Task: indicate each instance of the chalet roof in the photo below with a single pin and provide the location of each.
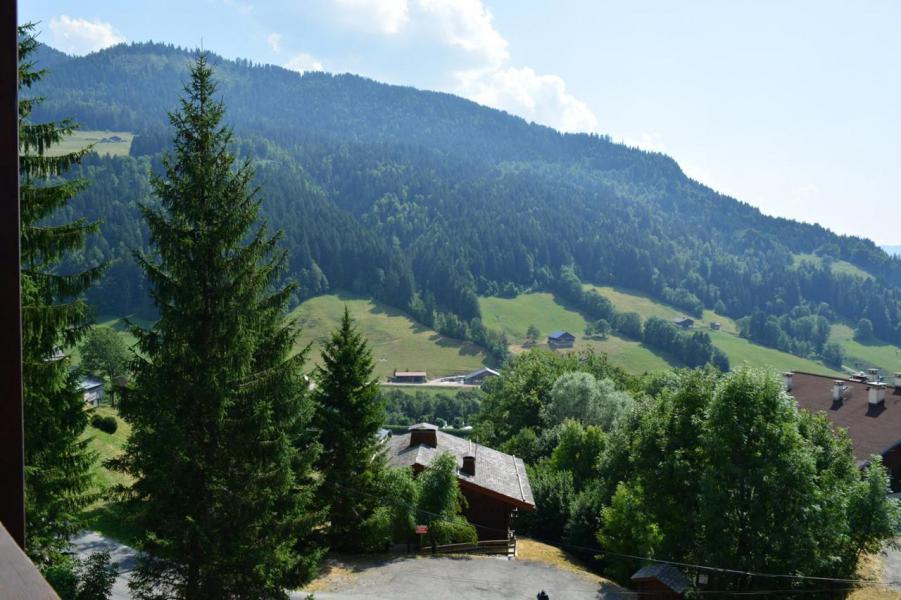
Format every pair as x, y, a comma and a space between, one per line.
89, 383
683, 319
409, 373
559, 334
666, 574
498, 474
873, 430
482, 371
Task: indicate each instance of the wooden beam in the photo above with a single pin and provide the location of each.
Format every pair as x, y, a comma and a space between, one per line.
19, 578
12, 472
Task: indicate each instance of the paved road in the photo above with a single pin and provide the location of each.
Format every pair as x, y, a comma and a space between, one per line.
892, 567
464, 578
121, 556
440, 578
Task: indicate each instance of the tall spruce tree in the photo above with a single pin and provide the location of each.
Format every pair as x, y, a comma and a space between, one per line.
57, 460
220, 450
349, 411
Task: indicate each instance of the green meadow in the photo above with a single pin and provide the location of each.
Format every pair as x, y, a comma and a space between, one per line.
105, 143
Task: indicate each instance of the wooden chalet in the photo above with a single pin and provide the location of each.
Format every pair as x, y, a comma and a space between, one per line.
660, 581
409, 377
494, 484
867, 407
684, 322
479, 376
561, 339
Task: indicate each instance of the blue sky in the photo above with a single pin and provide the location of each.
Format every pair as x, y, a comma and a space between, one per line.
793, 106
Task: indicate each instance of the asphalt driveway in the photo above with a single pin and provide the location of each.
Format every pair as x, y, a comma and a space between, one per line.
463, 578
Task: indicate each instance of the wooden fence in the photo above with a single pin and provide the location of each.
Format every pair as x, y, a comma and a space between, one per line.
504, 547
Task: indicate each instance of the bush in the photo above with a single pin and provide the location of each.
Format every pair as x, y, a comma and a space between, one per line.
108, 424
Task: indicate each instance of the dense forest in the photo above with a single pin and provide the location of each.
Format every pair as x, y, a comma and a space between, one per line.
426, 201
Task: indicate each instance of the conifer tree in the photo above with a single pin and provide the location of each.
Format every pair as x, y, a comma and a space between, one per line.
220, 450
54, 317
349, 411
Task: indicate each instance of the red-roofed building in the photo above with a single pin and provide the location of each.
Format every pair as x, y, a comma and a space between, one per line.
869, 409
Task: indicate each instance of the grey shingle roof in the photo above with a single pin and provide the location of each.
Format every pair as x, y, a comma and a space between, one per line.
497, 472
668, 575
559, 334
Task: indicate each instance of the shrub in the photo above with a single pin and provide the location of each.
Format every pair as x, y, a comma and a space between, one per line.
108, 424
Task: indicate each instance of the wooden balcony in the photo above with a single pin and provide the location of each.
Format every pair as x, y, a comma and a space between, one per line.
19, 578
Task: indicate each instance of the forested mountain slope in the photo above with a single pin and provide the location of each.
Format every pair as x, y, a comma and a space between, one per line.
425, 201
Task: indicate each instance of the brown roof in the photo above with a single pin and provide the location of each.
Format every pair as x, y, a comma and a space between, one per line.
873, 430
497, 474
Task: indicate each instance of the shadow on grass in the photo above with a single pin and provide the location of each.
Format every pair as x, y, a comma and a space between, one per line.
113, 520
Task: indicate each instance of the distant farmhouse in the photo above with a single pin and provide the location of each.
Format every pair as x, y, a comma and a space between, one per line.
561, 339
409, 377
684, 322
494, 484
92, 390
867, 407
479, 376
716, 325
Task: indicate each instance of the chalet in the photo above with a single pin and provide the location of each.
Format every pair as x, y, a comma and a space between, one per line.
479, 376
660, 581
495, 484
684, 322
716, 325
561, 339
409, 377
868, 408
92, 390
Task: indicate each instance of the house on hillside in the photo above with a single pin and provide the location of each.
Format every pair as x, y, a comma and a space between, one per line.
479, 376
716, 325
561, 339
409, 377
92, 390
684, 322
868, 407
495, 484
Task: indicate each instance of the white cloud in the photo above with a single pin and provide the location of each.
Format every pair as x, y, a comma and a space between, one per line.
302, 63
275, 42
384, 16
466, 24
80, 36
533, 96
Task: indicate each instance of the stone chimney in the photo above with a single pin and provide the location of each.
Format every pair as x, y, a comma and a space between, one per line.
837, 390
787, 380
423, 434
469, 464
872, 375
898, 381
876, 394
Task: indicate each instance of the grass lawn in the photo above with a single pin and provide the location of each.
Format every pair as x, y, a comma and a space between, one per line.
839, 266
740, 351
102, 140
514, 315
863, 356
397, 341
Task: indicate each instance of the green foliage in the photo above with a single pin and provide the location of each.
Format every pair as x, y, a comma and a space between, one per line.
221, 448
54, 316
864, 331
554, 491
108, 423
441, 503
91, 578
349, 412
105, 353
578, 450
579, 396
532, 333
406, 407
727, 471
395, 518
833, 355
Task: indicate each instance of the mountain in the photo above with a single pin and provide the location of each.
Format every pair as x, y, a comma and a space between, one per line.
892, 250
427, 201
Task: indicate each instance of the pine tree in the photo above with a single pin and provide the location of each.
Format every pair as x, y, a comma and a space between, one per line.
57, 460
349, 411
220, 450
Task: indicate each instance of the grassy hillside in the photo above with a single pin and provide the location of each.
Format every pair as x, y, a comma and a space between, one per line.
514, 315
397, 341
839, 266
863, 356
739, 350
105, 143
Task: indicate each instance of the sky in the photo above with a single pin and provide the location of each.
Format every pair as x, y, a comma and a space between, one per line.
792, 106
